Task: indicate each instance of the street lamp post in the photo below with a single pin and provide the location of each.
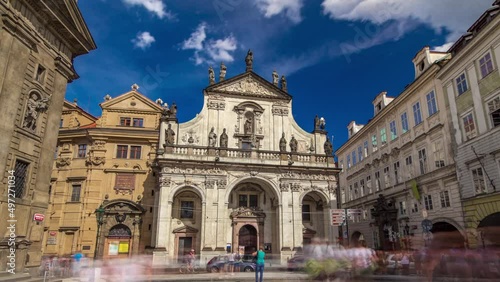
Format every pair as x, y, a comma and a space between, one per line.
99, 215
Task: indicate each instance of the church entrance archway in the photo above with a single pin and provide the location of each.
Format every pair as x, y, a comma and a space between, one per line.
248, 239
118, 241
489, 230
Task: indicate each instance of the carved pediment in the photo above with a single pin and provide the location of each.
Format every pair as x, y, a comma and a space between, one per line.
185, 229
250, 84
248, 212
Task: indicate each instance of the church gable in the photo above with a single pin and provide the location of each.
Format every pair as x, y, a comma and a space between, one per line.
251, 85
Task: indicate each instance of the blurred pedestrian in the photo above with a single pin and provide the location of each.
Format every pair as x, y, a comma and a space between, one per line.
231, 262
405, 264
259, 264
190, 260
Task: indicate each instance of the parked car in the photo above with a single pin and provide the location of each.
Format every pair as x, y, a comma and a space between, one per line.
218, 263
297, 262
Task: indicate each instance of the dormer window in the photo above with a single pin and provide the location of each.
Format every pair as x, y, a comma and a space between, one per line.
379, 106
421, 65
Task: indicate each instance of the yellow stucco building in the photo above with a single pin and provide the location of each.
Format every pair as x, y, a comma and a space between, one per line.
102, 182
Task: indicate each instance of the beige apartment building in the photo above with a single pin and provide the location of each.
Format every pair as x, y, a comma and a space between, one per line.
471, 82
102, 183
38, 43
398, 169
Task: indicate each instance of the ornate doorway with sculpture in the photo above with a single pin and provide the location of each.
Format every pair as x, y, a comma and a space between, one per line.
248, 239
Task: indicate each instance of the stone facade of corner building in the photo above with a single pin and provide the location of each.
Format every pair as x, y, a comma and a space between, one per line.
471, 82
40, 39
398, 169
242, 174
104, 162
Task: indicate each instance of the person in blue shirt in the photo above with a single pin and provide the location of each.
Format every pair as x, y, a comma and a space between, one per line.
259, 255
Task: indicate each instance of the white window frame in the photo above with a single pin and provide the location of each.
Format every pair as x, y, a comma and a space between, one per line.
432, 107
485, 63
428, 203
468, 132
374, 143
493, 105
438, 152
461, 84
417, 113
405, 127
422, 160
485, 184
444, 197
393, 129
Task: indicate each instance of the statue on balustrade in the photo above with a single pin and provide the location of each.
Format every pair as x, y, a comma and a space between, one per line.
283, 143
328, 147
223, 139
169, 136
212, 138
293, 145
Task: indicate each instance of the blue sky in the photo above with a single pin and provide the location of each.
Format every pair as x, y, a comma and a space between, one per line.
337, 55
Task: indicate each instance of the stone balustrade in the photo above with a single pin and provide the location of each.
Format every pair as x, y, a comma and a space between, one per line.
183, 152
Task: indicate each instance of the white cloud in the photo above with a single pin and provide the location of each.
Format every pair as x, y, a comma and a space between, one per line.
143, 40
291, 8
443, 48
156, 7
455, 16
195, 41
209, 51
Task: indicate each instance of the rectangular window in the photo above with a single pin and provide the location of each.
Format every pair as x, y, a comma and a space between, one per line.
438, 153
75, 192
125, 121
187, 209
417, 114
61, 123
445, 199
404, 123
360, 154
306, 213
365, 149
21, 175
478, 179
40, 74
486, 65
402, 208
494, 110
431, 103
394, 133
135, 152
342, 195
374, 143
253, 201
396, 172
243, 200
362, 187
461, 84
121, 151
356, 192
369, 184
383, 137
354, 158
348, 161
469, 126
377, 181
428, 202
82, 151
414, 209
387, 177
349, 196
409, 167
138, 122
422, 160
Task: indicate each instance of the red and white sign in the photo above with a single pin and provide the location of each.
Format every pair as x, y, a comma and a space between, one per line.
38, 217
337, 217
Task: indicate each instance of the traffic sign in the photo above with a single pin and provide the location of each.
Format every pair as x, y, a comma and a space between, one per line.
337, 217
354, 211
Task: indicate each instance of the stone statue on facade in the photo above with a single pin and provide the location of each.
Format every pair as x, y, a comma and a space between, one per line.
169, 136
35, 106
283, 83
249, 60
276, 78
173, 110
328, 147
316, 123
293, 145
223, 139
283, 143
211, 76
212, 138
222, 74
248, 127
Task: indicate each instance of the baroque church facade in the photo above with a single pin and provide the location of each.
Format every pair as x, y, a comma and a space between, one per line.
242, 174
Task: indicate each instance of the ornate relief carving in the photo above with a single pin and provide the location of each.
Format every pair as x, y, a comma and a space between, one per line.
280, 111
165, 181
210, 184
247, 212
331, 188
221, 184
247, 86
177, 170
95, 160
284, 186
292, 175
98, 145
36, 105
296, 187
216, 105
190, 137
61, 162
